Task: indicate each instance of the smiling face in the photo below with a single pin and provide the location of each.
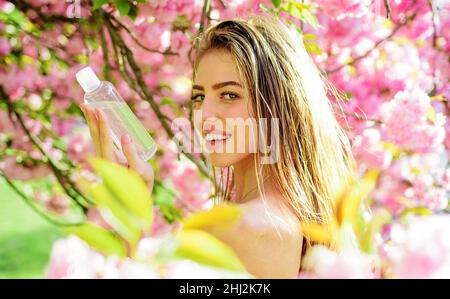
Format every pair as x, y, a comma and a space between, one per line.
220, 98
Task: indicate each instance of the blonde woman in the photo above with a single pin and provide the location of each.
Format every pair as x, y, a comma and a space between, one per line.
258, 69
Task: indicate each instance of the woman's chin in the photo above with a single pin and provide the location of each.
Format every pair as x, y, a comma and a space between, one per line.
226, 159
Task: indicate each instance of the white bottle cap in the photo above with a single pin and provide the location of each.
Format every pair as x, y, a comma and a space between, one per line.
87, 79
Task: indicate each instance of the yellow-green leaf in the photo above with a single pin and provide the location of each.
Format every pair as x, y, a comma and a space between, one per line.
127, 186
375, 224
431, 114
123, 6
438, 97
113, 212
99, 238
349, 205
394, 149
204, 248
276, 3
309, 36
313, 48
222, 215
317, 232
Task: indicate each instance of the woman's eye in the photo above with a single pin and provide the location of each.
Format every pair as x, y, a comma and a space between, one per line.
198, 98
229, 96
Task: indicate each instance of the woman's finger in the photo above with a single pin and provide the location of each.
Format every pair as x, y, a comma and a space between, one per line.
144, 169
106, 142
120, 158
91, 120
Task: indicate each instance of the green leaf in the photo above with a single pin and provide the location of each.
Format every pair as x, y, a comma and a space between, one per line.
162, 194
309, 36
317, 232
203, 248
310, 18
99, 238
222, 215
264, 7
98, 3
167, 101
422, 211
313, 48
133, 12
431, 114
82, 59
91, 43
18, 18
165, 198
348, 204
276, 3
381, 218
292, 10
123, 6
128, 187
112, 211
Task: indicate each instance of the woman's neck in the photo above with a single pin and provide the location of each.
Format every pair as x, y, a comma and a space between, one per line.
245, 180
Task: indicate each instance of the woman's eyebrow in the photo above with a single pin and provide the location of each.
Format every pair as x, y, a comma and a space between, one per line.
218, 85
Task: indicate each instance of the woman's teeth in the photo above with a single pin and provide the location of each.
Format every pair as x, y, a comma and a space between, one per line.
216, 137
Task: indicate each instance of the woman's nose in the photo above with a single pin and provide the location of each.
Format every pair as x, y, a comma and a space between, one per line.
209, 109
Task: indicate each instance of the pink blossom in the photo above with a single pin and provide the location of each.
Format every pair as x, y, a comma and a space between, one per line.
422, 248
58, 203
16, 171
160, 226
192, 270
72, 258
5, 46
406, 123
340, 9
192, 189
321, 262
79, 147
130, 269
62, 126
95, 216
368, 149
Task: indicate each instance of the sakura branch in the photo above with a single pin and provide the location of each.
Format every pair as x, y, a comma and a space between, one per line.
126, 58
354, 60
62, 175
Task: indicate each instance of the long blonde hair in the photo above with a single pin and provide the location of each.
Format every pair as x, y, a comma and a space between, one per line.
315, 160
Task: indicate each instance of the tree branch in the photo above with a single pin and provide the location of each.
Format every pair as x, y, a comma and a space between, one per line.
376, 45
133, 36
388, 9
29, 202
65, 182
142, 89
46, 18
206, 10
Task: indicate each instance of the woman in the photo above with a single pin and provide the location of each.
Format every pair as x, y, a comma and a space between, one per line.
258, 69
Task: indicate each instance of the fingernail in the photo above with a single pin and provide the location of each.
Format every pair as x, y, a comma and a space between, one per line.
126, 138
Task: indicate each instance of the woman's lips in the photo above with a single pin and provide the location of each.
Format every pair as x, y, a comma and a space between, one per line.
214, 140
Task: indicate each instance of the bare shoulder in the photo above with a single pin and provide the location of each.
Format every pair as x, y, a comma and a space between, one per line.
270, 216
267, 239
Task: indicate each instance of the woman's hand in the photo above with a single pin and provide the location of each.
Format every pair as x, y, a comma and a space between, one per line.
104, 147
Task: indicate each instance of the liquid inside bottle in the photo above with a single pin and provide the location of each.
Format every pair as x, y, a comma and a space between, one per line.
103, 95
123, 121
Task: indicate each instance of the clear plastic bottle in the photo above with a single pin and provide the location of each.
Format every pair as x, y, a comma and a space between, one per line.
103, 95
